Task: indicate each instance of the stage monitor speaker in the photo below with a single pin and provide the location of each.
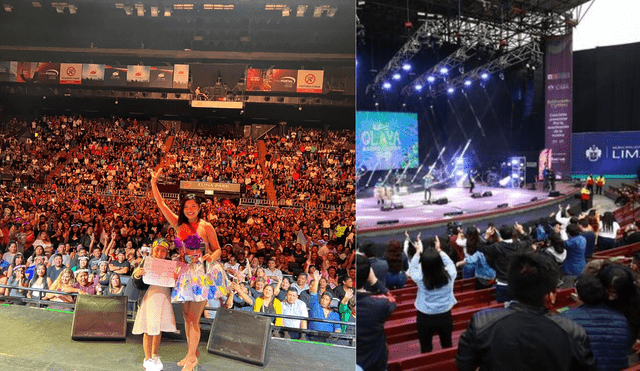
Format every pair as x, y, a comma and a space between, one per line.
503, 205
476, 195
534, 199
385, 207
240, 335
577, 185
453, 213
100, 318
392, 221
554, 194
487, 194
399, 205
441, 201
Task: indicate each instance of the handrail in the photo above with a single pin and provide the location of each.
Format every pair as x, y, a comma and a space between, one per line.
40, 301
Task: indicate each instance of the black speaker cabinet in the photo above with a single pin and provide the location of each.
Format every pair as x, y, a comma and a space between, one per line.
441, 201
487, 194
240, 335
100, 318
554, 194
476, 195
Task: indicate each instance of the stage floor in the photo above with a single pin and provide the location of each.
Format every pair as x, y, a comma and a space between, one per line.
415, 212
37, 339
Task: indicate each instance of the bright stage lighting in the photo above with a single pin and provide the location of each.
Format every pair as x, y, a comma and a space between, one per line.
484, 76
467, 83
460, 173
406, 67
418, 87
386, 85
450, 90
444, 70
505, 181
431, 79
460, 161
515, 162
396, 76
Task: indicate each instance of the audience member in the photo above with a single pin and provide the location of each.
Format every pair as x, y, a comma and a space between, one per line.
525, 336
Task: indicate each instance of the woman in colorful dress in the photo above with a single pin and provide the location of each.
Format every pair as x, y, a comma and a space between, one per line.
197, 242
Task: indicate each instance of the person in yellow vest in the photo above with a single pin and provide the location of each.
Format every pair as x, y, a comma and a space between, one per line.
590, 183
585, 196
599, 185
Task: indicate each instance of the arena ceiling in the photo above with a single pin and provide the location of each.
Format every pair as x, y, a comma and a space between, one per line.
198, 30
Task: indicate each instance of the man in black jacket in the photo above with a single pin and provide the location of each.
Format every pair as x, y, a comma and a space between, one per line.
525, 336
510, 241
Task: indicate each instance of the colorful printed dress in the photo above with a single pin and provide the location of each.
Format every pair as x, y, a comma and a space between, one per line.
195, 281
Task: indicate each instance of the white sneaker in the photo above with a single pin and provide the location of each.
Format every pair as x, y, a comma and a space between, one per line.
156, 360
149, 365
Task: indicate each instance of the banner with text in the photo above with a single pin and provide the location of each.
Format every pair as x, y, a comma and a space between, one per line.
115, 75
615, 155
310, 81
8, 71
180, 76
161, 77
138, 75
92, 74
71, 73
559, 102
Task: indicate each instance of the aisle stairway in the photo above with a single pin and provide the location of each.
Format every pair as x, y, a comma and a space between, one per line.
56, 170
269, 188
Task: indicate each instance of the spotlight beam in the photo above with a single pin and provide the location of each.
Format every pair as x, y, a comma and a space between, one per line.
372, 172
474, 114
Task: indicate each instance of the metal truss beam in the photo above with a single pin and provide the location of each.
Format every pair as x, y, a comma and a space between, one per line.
522, 54
433, 26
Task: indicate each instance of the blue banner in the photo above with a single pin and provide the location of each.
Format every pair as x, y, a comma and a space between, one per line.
386, 140
614, 155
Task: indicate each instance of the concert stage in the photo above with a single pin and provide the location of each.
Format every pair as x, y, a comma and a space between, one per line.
38, 339
371, 221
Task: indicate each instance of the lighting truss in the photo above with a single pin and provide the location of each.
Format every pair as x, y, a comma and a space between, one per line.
524, 53
503, 33
431, 27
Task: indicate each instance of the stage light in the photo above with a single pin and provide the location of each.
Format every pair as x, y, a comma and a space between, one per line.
467, 83
406, 67
396, 76
514, 162
484, 76
444, 70
431, 79
505, 181
501, 75
460, 173
450, 90
418, 87
386, 85
459, 161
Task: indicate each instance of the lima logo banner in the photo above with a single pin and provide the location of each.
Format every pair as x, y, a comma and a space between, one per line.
593, 153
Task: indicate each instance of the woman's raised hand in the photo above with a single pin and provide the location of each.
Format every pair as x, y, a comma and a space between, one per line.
155, 175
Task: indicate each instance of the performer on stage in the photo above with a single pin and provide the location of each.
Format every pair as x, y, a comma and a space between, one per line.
428, 183
552, 179
193, 285
155, 313
599, 184
473, 185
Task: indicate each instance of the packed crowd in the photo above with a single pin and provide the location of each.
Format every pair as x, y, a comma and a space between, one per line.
313, 167
66, 238
527, 265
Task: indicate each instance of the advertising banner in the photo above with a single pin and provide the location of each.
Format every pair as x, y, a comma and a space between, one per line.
8, 71
612, 154
115, 76
310, 81
25, 71
71, 73
256, 80
138, 75
92, 74
161, 77
47, 73
181, 76
559, 102
284, 80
